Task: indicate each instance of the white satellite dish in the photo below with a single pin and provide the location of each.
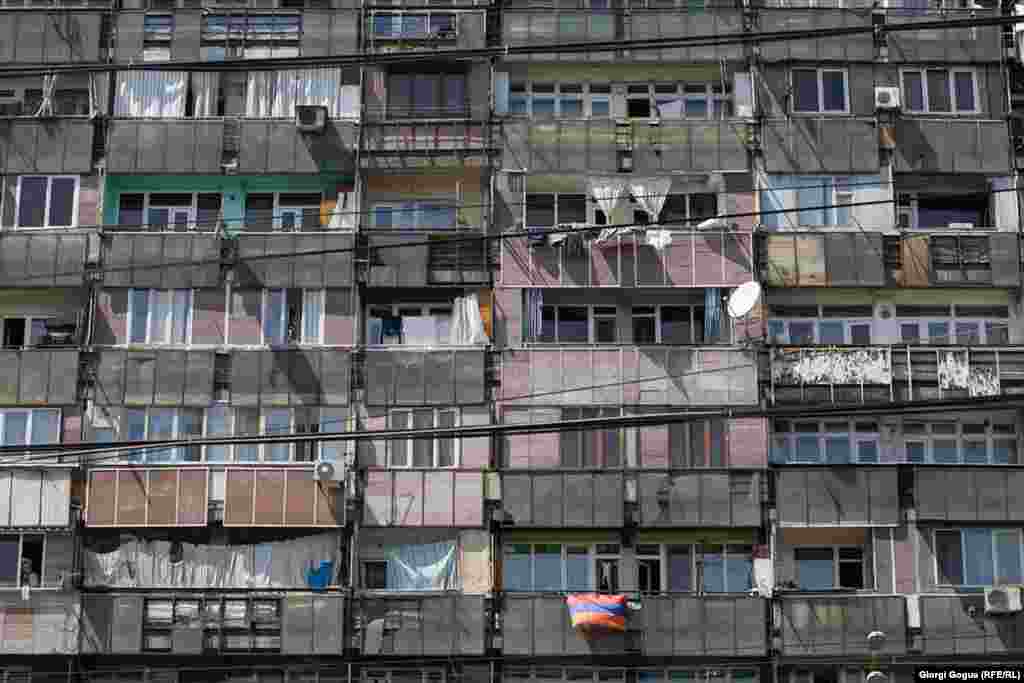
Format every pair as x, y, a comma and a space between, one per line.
715, 223
743, 299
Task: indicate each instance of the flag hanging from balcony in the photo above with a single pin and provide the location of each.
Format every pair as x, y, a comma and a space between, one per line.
591, 612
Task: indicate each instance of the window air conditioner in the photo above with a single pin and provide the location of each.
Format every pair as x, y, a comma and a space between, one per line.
329, 471
310, 118
887, 98
1002, 600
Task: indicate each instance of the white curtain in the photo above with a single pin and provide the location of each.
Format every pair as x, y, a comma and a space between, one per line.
151, 94
426, 567
607, 192
274, 94
344, 215
651, 193
205, 85
467, 324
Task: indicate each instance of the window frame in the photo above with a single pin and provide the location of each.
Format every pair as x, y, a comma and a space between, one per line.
837, 561
401, 14
658, 322
848, 323
317, 451
592, 209
47, 202
420, 212
30, 423
396, 308
594, 556
30, 321
952, 71
279, 210
40, 570
929, 437
238, 44
819, 77
936, 561
787, 443
592, 317
436, 442
150, 294
141, 455
193, 209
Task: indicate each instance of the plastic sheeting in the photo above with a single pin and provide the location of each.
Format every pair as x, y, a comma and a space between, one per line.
467, 326
275, 94
150, 563
426, 567
151, 94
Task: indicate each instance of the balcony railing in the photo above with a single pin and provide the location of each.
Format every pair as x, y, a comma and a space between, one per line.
837, 496
968, 494
840, 625
421, 625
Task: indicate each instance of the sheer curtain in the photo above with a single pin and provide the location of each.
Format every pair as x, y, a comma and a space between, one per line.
205, 85
275, 94
607, 192
467, 325
426, 567
151, 94
651, 193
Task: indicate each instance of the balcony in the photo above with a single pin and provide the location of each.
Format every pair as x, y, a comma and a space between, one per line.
45, 624
306, 377
913, 260
157, 377
562, 499
168, 261
436, 498
31, 259
645, 375
35, 498
399, 145
39, 377
977, 44
33, 146
840, 625
802, 144
421, 625
951, 145
968, 494
957, 625
706, 259
665, 146
147, 497
209, 622
854, 48
451, 258
699, 499
837, 496
263, 261
279, 147
35, 37
165, 146
846, 374
417, 377
395, 32
663, 626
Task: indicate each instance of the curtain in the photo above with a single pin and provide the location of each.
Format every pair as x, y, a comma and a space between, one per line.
607, 192
430, 566
205, 85
651, 193
467, 326
534, 312
151, 94
46, 106
275, 94
712, 313
344, 216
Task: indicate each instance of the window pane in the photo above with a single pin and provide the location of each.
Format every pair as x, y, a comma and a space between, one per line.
446, 447
15, 428
426, 94
139, 303
1007, 545
161, 428
547, 568
805, 90
832, 332
910, 333
860, 334
547, 324
607, 579
679, 568
739, 569
160, 317
851, 573
814, 568
516, 571
540, 210
837, 450
1004, 452
947, 553
834, 89
45, 427
913, 91
32, 202
975, 453
572, 324
423, 449
217, 424
938, 90
945, 452
180, 316
572, 208
273, 317
963, 84
978, 569
599, 107
938, 333
675, 325
968, 333
807, 449
714, 570
247, 423
801, 333
605, 330
577, 569
454, 95
915, 452
9, 561
312, 309
277, 422
643, 330
62, 202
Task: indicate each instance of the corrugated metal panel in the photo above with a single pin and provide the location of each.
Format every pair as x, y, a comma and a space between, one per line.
126, 625
297, 630
328, 620
97, 615
882, 553
839, 626
1004, 249
185, 44
838, 496
699, 499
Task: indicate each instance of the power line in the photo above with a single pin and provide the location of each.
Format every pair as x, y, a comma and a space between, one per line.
603, 423
483, 238
361, 58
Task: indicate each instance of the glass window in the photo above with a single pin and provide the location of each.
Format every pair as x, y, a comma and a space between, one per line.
938, 90
577, 568
832, 332
948, 556
963, 89
278, 421
274, 317
32, 201
834, 90
814, 568
1008, 562
676, 325
516, 568
805, 90
547, 567
573, 324
218, 423
977, 555
913, 91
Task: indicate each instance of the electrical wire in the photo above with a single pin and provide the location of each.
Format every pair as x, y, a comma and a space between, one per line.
591, 229
361, 58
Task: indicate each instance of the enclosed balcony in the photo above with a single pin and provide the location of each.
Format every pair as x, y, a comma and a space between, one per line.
968, 494
958, 625
38, 260
45, 624
421, 625
840, 625
837, 496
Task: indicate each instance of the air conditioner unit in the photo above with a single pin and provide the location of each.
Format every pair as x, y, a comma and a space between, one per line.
329, 471
887, 98
885, 311
1002, 600
310, 118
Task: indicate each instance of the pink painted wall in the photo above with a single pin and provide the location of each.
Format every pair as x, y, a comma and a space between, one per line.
748, 442
208, 317
111, 317
339, 320
245, 316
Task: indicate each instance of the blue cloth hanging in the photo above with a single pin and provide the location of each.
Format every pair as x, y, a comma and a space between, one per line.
712, 313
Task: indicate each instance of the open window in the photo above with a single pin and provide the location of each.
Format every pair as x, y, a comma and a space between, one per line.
292, 316
21, 560
409, 324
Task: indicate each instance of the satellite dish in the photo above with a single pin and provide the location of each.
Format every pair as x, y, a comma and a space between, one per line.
743, 299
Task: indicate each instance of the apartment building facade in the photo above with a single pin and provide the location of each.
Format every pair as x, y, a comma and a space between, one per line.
220, 248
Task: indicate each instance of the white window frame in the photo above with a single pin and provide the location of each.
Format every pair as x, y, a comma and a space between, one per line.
29, 322
300, 338
193, 210
143, 452
788, 441
46, 206
717, 100
151, 292
592, 317
592, 561
662, 558
657, 315
991, 437
279, 210
848, 325
821, 71
868, 580
456, 444
419, 211
31, 413
922, 72
21, 554
374, 36
963, 568
924, 338
395, 308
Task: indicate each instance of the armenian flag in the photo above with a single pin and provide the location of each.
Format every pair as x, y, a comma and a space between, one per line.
590, 611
